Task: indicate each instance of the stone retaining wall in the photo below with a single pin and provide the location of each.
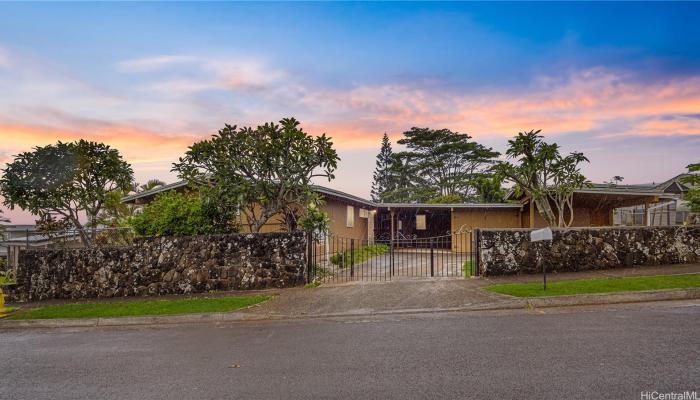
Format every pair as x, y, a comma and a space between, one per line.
509, 251
163, 265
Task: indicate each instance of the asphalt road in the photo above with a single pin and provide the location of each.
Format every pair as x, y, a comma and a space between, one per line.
557, 354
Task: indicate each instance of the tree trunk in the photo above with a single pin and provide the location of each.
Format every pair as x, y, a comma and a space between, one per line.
545, 210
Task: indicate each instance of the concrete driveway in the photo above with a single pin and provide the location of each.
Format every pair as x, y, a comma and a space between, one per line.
407, 263
364, 297
405, 292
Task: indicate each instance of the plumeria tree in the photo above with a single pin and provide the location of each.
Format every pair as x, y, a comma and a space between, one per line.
262, 171
550, 179
66, 182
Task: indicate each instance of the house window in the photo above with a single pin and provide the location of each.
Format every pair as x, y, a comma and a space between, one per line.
364, 213
350, 216
420, 222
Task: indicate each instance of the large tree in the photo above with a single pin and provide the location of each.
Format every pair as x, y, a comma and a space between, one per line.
542, 173
66, 181
445, 162
265, 170
405, 183
381, 182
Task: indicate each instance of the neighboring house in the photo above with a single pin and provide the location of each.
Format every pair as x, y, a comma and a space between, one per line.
354, 217
20, 237
670, 210
13, 232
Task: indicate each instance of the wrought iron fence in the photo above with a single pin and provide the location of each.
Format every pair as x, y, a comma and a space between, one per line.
334, 259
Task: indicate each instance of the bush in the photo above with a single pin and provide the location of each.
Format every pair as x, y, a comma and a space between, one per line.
361, 254
173, 213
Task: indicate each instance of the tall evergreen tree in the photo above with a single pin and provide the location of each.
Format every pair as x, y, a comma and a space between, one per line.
445, 163
381, 183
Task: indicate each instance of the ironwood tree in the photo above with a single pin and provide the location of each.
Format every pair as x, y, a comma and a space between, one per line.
382, 177
262, 171
438, 163
543, 174
66, 181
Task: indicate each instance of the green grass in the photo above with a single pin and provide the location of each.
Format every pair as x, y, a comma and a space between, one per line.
3, 280
312, 284
467, 268
139, 307
605, 285
361, 254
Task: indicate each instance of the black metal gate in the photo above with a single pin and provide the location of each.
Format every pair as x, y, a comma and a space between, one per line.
334, 259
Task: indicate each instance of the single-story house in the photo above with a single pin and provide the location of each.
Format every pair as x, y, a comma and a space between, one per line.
357, 218
31, 239
668, 211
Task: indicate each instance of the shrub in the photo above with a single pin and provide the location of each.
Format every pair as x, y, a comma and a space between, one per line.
173, 213
361, 254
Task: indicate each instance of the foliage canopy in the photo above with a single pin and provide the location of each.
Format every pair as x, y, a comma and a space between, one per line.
65, 181
543, 174
263, 171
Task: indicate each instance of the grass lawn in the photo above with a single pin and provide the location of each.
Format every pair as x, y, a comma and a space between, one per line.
139, 307
604, 285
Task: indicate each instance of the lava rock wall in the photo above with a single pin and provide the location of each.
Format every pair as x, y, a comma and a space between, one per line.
510, 251
163, 265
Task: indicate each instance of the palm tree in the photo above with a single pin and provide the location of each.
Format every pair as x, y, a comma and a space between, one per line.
151, 184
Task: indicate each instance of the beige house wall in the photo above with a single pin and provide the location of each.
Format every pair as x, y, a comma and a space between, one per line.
466, 220
583, 217
337, 214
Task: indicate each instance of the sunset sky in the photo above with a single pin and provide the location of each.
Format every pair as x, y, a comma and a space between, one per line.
619, 82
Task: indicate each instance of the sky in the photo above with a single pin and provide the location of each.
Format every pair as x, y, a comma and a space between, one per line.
619, 82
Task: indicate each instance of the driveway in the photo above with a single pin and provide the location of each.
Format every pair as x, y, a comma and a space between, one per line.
363, 297
407, 264
406, 292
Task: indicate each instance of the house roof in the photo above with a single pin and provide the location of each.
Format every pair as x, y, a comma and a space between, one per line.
449, 205
337, 194
38, 238
675, 181
154, 191
630, 190
623, 190
17, 227
343, 195
657, 190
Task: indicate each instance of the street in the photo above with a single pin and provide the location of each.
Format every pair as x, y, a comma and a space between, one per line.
593, 353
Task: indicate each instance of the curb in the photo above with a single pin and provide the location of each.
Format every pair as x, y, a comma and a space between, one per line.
509, 303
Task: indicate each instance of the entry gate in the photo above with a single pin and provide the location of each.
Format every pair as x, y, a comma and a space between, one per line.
334, 259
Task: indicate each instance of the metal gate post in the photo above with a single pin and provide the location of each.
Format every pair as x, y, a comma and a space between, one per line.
477, 250
309, 258
432, 261
352, 257
391, 256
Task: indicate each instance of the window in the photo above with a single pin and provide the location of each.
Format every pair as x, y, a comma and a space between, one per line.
420, 222
364, 213
350, 216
